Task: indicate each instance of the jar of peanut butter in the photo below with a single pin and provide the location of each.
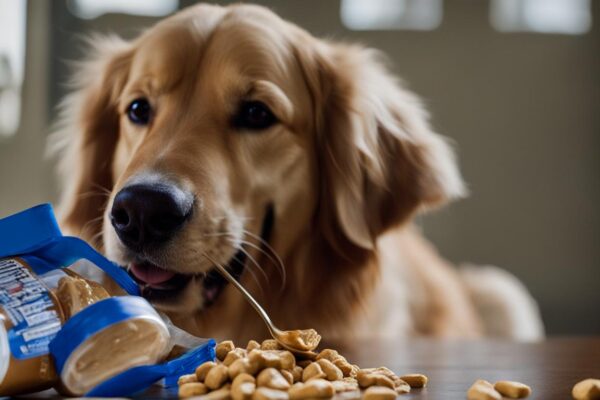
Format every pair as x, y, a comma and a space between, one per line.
58, 329
35, 302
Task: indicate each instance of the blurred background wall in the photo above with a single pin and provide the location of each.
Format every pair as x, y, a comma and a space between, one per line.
521, 105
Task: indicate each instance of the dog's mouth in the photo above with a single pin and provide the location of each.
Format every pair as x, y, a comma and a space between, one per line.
161, 285
158, 284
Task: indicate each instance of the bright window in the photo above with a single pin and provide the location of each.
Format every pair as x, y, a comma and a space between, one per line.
391, 14
13, 16
545, 16
90, 9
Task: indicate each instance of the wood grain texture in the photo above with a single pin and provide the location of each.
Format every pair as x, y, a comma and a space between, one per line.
550, 368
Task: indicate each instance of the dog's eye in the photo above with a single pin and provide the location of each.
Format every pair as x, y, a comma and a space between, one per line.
254, 115
139, 111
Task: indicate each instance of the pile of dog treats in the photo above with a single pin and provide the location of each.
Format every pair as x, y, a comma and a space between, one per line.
267, 372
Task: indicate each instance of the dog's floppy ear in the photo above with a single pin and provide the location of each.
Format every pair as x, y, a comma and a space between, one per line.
86, 136
379, 160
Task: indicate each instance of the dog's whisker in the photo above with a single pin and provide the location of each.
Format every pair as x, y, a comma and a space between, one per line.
253, 260
99, 191
102, 189
98, 218
214, 262
95, 238
254, 277
271, 255
213, 234
88, 227
271, 250
273, 260
220, 218
92, 221
90, 194
232, 239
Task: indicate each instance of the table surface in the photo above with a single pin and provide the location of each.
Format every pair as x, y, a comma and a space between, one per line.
550, 367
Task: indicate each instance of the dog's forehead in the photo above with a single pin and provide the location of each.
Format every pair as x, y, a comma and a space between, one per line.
248, 41
250, 46
162, 56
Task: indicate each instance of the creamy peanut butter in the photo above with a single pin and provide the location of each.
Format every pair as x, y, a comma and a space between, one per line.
76, 293
127, 344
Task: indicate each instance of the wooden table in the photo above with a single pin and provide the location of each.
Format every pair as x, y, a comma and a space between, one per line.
550, 367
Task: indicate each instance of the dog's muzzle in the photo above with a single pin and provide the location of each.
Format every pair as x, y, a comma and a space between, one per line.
161, 285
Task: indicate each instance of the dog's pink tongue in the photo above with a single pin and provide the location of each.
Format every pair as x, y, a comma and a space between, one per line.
151, 274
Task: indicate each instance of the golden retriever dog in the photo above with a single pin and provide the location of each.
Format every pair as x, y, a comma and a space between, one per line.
226, 135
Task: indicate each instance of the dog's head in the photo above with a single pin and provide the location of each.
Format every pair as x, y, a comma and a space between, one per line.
221, 131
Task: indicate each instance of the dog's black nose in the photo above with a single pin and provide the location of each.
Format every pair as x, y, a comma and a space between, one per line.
144, 214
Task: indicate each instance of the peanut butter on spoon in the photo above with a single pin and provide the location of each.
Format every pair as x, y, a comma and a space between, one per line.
301, 340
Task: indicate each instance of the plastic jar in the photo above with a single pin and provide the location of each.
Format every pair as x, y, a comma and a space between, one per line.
34, 304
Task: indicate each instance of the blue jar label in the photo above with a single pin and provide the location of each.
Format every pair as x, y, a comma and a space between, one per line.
26, 300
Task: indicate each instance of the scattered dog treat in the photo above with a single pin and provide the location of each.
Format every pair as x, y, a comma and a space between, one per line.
203, 369
332, 372
189, 389
289, 377
314, 389
379, 393
346, 385
190, 378
381, 376
216, 377
252, 344
265, 371
233, 356
513, 390
588, 389
224, 393
243, 387
483, 390
223, 349
265, 393
273, 379
367, 378
415, 380
313, 371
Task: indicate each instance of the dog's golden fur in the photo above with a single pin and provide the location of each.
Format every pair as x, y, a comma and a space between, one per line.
351, 160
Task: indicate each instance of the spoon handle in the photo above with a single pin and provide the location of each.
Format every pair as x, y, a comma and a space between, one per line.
248, 297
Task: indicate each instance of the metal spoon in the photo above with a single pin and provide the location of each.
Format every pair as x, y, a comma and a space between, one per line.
277, 334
